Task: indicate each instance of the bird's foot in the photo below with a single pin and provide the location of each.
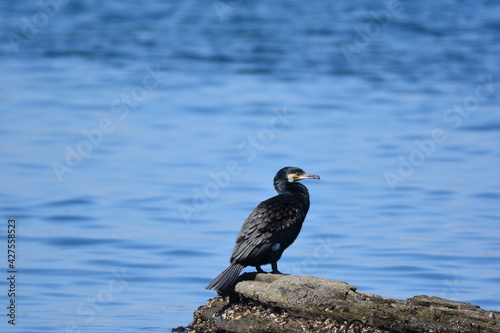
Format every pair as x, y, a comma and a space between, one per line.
259, 270
274, 266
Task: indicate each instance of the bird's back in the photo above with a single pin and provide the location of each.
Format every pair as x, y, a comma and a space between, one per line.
272, 226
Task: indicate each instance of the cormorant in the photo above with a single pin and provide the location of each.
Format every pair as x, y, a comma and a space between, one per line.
272, 226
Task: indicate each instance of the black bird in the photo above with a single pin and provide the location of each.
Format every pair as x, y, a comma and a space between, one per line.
272, 226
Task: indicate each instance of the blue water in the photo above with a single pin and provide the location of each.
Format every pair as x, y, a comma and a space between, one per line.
136, 138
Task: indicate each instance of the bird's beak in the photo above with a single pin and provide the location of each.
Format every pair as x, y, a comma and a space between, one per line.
306, 176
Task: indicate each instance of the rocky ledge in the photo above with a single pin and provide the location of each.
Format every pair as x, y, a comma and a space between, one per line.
289, 303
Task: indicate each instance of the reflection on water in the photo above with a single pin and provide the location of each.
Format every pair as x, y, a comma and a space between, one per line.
158, 175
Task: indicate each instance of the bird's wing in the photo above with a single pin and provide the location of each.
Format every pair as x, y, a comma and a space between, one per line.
273, 219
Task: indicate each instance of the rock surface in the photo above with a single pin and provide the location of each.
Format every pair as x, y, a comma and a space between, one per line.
289, 303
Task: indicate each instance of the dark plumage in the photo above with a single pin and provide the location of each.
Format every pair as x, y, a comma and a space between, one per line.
272, 226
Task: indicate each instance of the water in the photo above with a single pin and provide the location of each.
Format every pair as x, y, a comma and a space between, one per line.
137, 139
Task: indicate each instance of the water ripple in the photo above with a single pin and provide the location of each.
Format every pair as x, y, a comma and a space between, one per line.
79, 241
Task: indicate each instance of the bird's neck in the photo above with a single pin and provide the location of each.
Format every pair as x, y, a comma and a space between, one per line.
299, 191
293, 189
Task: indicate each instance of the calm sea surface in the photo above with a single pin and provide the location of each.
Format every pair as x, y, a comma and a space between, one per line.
137, 137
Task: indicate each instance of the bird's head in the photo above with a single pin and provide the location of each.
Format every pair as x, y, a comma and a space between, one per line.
293, 174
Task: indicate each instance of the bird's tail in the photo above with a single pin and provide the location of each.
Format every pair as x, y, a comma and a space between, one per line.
227, 278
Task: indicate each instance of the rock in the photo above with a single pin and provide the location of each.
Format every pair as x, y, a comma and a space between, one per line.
289, 303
